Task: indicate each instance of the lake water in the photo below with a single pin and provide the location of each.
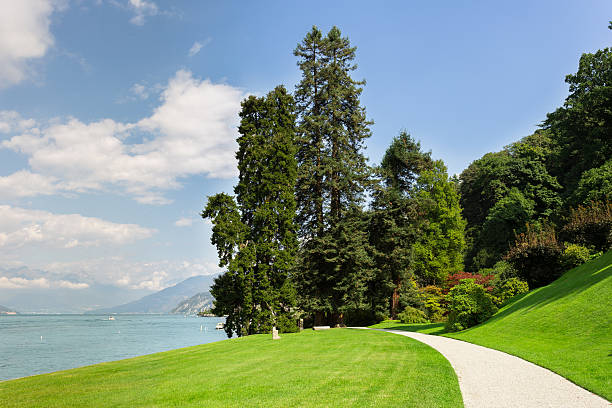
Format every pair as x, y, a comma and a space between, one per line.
70, 341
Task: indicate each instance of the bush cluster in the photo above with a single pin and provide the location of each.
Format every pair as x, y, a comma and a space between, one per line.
574, 255
469, 305
412, 315
509, 288
537, 256
590, 225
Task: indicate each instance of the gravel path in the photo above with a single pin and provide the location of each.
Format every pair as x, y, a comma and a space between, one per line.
489, 378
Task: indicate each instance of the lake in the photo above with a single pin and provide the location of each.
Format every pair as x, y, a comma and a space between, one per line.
36, 344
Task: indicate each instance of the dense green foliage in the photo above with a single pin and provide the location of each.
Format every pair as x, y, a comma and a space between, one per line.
396, 223
538, 180
537, 256
517, 217
590, 225
366, 368
335, 263
256, 235
412, 315
469, 305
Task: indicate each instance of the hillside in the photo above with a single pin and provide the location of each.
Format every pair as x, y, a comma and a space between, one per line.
165, 300
5, 310
194, 304
565, 326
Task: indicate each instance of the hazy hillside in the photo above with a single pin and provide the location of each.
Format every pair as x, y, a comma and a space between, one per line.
165, 300
4, 309
194, 304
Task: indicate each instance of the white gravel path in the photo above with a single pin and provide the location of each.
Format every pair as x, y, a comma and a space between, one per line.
490, 378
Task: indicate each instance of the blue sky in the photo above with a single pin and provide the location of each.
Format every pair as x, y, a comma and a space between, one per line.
118, 117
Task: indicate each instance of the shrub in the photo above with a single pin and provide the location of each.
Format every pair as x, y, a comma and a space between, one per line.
506, 289
454, 279
469, 305
502, 270
412, 315
434, 302
537, 256
590, 225
287, 324
574, 255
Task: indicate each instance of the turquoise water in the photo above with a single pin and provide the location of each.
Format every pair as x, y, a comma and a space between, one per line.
70, 341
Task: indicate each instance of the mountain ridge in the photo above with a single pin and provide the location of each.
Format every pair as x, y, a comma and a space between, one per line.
165, 300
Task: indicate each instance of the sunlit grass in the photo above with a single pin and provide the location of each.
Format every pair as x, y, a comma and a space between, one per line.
339, 367
565, 326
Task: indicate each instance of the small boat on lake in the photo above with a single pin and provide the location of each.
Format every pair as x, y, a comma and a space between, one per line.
111, 318
220, 326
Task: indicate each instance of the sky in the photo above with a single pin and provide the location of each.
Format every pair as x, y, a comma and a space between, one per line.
119, 117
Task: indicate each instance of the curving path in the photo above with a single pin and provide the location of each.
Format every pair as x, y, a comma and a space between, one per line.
489, 378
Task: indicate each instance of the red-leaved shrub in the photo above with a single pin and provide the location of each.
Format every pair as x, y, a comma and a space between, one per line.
453, 280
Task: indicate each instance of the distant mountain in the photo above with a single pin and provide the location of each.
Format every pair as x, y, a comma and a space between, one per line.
194, 304
6, 310
165, 300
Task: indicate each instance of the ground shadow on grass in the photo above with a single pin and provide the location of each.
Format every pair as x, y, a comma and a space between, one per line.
429, 328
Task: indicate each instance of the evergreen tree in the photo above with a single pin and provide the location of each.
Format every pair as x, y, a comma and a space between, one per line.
332, 170
256, 235
396, 222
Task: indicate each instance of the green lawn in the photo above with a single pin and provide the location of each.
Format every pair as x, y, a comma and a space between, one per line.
565, 326
339, 367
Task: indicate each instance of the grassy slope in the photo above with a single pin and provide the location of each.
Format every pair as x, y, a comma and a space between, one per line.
565, 326
339, 367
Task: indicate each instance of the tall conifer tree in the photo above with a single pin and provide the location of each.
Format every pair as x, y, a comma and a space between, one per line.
256, 234
332, 176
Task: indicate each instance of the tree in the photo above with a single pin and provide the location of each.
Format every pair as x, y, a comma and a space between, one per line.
502, 185
255, 235
332, 170
581, 128
439, 249
395, 221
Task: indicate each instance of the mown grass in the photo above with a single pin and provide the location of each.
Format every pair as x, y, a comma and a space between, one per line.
565, 326
339, 367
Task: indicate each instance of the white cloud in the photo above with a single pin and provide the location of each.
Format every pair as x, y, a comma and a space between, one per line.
120, 272
19, 227
191, 132
26, 184
197, 46
24, 35
38, 283
11, 121
141, 10
184, 222
140, 91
